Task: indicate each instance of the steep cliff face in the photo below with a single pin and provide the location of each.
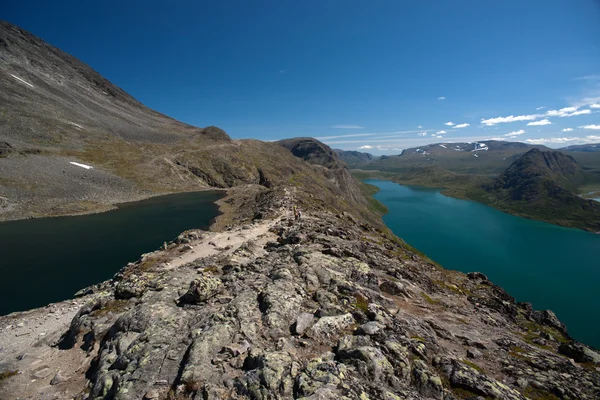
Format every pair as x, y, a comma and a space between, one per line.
354, 158
538, 185
324, 308
327, 161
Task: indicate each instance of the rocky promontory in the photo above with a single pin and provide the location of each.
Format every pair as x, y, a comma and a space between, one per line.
327, 307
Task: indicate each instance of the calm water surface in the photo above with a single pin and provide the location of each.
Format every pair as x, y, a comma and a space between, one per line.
552, 267
49, 259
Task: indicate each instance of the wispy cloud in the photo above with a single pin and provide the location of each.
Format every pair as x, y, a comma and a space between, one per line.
540, 108
344, 136
461, 126
567, 112
592, 127
441, 132
510, 118
541, 122
449, 123
347, 126
594, 105
563, 140
365, 147
589, 78
515, 133
420, 127
422, 133
442, 98
568, 130
588, 101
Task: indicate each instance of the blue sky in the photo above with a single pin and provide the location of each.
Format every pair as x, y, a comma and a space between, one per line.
378, 76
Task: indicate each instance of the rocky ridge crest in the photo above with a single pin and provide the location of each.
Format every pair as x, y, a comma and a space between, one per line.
324, 308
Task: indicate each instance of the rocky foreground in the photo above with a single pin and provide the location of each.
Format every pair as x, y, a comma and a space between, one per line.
325, 308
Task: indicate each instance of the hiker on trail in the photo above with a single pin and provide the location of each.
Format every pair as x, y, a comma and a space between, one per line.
299, 215
296, 213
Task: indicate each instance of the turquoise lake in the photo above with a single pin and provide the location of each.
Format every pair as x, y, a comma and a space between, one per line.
552, 267
49, 259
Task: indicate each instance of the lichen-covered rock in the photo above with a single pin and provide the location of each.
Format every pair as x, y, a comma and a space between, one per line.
465, 377
370, 328
395, 288
579, 352
329, 327
548, 318
201, 289
427, 382
303, 322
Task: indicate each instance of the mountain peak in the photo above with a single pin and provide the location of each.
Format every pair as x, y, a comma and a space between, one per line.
548, 164
313, 151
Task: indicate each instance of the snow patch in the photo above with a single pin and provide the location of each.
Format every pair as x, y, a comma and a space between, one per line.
81, 165
441, 145
76, 125
480, 146
475, 155
17, 78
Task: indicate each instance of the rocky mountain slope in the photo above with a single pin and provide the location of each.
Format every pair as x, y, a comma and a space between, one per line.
539, 185
325, 308
72, 142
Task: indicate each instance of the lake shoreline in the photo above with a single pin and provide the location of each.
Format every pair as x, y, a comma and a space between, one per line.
35, 249
526, 257
99, 208
452, 193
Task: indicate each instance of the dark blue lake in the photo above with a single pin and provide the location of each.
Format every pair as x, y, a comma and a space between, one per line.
49, 259
550, 266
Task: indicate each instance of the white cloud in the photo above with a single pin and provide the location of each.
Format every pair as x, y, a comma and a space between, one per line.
348, 127
568, 130
365, 147
461, 126
515, 133
540, 108
593, 127
437, 136
449, 123
422, 133
420, 127
541, 122
441, 132
595, 105
567, 112
510, 118
441, 98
